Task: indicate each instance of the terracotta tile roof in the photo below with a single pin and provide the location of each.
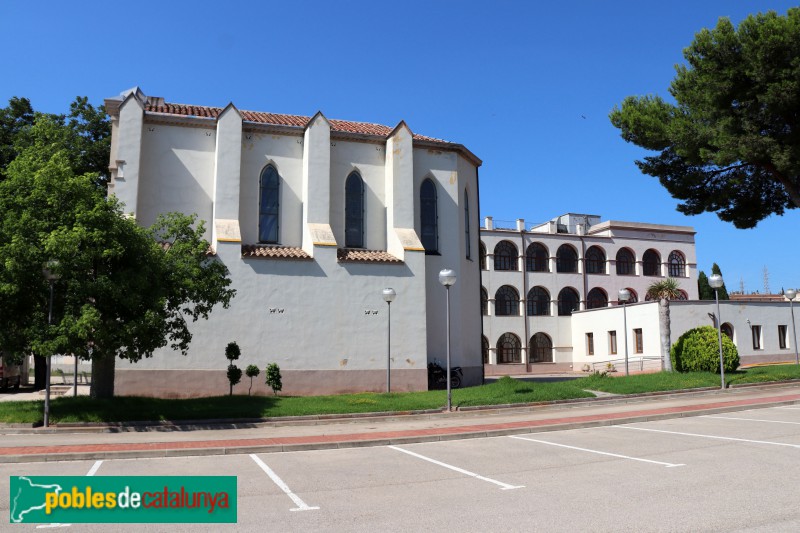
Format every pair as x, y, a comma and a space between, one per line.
353, 255
267, 251
259, 117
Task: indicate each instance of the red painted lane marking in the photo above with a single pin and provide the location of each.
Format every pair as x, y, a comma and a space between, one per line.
319, 439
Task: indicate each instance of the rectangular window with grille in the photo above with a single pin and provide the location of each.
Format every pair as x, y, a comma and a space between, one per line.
782, 337
612, 342
639, 342
590, 343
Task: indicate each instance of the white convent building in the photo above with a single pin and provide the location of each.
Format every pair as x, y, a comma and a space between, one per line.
313, 218
535, 278
550, 298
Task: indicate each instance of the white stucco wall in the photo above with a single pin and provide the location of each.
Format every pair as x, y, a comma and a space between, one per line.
177, 173
327, 316
683, 317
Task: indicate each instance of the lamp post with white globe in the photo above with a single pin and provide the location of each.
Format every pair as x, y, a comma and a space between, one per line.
792, 294
624, 296
388, 297
51, 274
716, 282
447, 277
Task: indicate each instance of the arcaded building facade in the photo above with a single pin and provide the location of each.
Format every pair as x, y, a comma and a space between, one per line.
313, 218
535, 277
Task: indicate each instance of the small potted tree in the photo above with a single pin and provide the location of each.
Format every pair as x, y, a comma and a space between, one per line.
251, 371
232, 353
274, 378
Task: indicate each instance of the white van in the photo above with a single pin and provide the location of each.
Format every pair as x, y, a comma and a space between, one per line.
10, 373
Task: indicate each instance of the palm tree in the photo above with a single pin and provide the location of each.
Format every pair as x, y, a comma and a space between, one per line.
664, 291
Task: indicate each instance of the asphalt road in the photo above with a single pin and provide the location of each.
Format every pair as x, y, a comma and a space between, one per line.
732, 472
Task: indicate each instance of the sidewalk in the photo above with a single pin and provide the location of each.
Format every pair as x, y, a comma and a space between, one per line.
84, 443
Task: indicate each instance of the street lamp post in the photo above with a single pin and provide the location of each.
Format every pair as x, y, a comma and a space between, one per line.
388, 297
624, 296
51, 274
447, 277
791, 294
716, 282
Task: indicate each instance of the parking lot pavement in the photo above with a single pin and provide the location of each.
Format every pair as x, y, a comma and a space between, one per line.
732, 472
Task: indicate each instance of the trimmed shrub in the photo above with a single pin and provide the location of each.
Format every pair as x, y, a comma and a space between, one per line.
697, 350
274, 378
251, 371
234, 376
232, 352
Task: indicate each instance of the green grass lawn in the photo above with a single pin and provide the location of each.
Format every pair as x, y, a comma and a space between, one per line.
503, 391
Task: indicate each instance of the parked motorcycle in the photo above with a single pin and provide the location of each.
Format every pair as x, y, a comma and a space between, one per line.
436, 376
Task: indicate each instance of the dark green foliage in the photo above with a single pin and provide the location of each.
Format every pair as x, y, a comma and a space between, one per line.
729, 144
723, 292
124, 291
232, 352
704, 290
251, 371
234, 376
274, 378
13, 119
697, 350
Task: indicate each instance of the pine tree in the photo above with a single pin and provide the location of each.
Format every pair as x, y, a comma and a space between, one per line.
704, 290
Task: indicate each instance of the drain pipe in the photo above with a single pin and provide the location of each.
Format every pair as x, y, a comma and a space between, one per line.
524, 298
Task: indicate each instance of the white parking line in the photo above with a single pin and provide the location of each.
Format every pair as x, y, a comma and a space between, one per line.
787, 407
504, 486
708, 436
301, 505
668, 465
95, 468
752, 419
92, 471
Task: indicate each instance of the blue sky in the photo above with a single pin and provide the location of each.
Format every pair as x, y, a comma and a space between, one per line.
512, 81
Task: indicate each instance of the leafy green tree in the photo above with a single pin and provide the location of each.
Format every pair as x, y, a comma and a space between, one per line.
664, 291
124, 290
84, 134
722, 291
274, 378
729, 142
251, 372
704, 290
